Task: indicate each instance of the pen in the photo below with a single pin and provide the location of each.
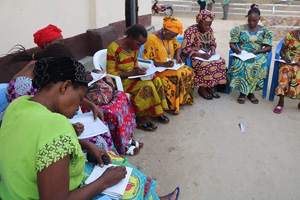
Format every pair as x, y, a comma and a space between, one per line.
74, 124
123, 162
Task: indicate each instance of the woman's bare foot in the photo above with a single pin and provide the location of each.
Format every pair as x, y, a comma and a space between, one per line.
173, 196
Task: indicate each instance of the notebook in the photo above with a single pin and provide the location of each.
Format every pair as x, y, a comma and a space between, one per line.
244, 55
117, 191
91, 127
96, 77
283, 61
212, 58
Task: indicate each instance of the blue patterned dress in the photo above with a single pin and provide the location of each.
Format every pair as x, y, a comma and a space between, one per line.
248, 76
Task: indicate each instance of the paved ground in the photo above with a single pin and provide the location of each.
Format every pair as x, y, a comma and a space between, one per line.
203, 151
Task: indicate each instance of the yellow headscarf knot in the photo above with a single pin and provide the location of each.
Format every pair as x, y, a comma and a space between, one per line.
173, 24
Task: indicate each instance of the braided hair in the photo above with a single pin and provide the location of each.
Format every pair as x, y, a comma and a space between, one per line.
254, 10
56, 50
54, 70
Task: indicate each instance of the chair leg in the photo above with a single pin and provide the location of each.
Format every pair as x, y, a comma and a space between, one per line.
274, 81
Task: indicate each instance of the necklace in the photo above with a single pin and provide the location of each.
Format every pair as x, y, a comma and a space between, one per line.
168, 50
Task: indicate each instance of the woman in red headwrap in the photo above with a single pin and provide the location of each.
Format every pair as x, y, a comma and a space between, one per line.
118, 113
47, 36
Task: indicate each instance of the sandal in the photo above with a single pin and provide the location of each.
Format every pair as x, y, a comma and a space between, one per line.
206, 96
215, 95
136, 143
132, 150
148, 126
177, 195
162, 119
277, 109
253, 99
241, 100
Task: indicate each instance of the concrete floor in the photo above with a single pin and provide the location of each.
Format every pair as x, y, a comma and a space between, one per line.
203, 151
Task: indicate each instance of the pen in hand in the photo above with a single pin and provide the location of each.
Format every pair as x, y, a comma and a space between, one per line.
124, 161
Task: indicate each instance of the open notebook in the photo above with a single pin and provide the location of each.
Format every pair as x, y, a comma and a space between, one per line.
244, 55
116, 191
91, 127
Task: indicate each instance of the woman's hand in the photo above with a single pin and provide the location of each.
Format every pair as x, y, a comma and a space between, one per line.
113, 175
97, 152
97, 113
179, 60
79, 128
204, 56
287, 59
138, 71
168, 64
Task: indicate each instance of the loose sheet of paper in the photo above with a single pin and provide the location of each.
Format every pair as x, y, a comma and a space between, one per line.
96, 77
212, 58
244, 55
91, 128
283, 61
116, 190
149, 71
176, 66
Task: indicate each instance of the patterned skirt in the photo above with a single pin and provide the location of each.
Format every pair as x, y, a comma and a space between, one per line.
147, 97
180, 88
209, 74
248, 76
120, 118
288, 81
140, 186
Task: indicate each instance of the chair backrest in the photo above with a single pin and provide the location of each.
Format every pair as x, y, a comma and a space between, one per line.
99, 59
278, 48
141, 51
179, 39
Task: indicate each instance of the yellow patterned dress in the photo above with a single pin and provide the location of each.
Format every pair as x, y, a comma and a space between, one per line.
147, 97
289, 75
180, 82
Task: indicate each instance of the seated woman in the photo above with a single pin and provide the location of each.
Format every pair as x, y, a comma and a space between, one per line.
50, 161
160, 47
289, 72
201, 37
249, 75
118, 114
21, 84
147, 97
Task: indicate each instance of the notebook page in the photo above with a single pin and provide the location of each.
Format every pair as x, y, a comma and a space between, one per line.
244, 55
212, 58
116, 190
96, 77
91, 128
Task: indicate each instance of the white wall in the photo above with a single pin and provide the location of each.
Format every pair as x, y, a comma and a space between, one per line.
19, 19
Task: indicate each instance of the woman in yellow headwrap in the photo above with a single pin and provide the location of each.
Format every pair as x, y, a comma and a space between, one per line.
161, 46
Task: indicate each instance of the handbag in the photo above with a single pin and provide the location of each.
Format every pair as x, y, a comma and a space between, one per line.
102, 91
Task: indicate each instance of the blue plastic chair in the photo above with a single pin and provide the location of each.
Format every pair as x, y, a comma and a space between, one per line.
265, 88
3, 100
275, 72
188, 60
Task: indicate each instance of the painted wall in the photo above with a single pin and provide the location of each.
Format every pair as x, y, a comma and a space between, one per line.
20, 19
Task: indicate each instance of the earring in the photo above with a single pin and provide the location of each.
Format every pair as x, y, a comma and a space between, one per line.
164, 32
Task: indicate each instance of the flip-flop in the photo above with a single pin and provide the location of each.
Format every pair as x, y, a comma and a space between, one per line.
253, 99
277, 109
215, 95
148, 126
130, 150
136, 143
177, 195
207, 96
241, 100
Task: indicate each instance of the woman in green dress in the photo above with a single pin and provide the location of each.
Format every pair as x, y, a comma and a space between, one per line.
249, 76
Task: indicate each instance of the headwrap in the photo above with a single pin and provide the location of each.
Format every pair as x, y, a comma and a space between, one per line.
46, 34
205, 15
173, 24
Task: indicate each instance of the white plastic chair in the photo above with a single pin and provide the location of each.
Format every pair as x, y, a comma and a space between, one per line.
99, 61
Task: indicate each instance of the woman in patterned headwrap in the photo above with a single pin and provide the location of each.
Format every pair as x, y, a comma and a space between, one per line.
49, 35
161, 46
249, 75
201, 37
